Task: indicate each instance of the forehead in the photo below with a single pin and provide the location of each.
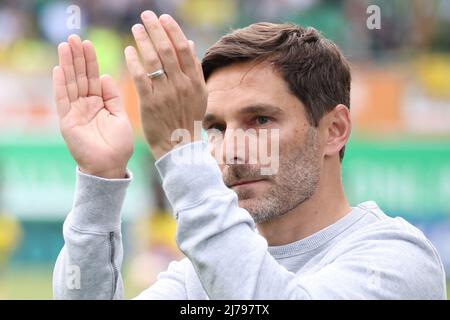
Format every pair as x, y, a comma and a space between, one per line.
242, 84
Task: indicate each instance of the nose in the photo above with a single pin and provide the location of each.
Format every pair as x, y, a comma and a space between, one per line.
235, 146
230, 148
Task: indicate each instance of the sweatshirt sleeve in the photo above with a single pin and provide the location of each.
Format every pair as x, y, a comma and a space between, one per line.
232, 260
88, 266
219, 238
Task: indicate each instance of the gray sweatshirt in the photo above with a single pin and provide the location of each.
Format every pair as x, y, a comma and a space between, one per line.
364, 255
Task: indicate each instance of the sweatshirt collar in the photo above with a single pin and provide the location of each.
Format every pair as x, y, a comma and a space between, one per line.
320, 237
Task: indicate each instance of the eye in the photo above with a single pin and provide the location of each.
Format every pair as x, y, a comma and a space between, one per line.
261, 120
217, 126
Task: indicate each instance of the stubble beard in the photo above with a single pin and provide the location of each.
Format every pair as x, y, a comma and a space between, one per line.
296, 181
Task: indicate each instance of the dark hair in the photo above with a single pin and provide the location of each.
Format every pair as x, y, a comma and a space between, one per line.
315, 70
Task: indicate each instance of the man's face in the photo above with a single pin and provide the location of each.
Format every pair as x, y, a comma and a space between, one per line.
251, 96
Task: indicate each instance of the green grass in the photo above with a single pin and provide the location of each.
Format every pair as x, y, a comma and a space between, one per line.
26, 283
35, 283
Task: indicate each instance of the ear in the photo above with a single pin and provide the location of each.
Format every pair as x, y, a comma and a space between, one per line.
338, 126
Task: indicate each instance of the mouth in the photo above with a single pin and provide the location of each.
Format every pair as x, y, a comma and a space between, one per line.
245, 183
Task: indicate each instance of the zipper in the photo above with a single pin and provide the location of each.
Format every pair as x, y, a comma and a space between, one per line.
115, 271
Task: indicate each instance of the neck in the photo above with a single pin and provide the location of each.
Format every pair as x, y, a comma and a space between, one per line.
325, 207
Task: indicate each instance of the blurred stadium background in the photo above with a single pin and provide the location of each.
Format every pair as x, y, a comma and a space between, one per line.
399, 153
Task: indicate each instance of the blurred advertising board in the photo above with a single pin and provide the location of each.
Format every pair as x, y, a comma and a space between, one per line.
38, 179
406, 177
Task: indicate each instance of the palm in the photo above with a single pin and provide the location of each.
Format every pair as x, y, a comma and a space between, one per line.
103, 135
92, 120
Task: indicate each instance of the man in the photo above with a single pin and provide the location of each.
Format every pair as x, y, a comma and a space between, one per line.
246, 235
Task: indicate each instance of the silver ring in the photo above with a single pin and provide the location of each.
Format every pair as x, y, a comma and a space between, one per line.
156, 73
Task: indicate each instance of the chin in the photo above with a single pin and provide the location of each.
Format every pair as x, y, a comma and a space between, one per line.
253, 207
248, 203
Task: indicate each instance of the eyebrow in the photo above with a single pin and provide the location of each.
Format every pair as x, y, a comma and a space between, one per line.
265, 108
261, 108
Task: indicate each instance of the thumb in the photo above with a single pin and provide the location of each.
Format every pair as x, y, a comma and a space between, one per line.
111, 97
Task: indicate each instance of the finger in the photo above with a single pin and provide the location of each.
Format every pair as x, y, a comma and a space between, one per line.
93, 75
181, 45
111, 96
60, 92
149, 55
79, 64
66, 62
192, 47
198, 63
162, 44
142, 82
